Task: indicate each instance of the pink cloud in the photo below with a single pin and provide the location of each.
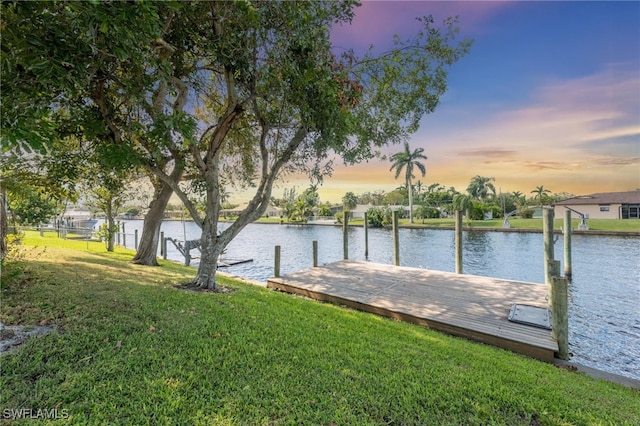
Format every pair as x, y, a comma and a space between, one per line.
376, 22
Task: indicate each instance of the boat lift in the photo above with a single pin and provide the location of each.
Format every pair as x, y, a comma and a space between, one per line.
583, 226
505, 223
185, 249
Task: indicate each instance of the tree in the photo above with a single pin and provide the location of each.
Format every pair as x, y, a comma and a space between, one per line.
394, 197
541, 194
227, 93
349, 201
407, 160
480, 187
463, 203
33, 207
519, 201
325, 210
305, 203
428, 212
379, 216
103, 69
376, 198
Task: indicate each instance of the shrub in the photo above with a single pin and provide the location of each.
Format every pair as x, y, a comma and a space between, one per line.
379, 216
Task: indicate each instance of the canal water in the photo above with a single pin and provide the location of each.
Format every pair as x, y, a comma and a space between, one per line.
604, 296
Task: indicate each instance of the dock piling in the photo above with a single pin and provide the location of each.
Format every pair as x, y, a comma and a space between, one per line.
276, 262
315, 253
559, 315
162, 245
547, 230
135, 239
345, 235
567, 244
396, 236
366, 236
458, 242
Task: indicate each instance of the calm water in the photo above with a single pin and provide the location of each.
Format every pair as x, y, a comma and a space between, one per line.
604, 296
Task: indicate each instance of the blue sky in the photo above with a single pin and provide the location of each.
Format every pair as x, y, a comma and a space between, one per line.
549, 95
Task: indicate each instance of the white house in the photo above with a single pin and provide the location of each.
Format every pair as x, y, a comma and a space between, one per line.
604, 205
270, 212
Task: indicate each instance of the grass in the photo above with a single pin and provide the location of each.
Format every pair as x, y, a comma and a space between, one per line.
621, 225
132, 349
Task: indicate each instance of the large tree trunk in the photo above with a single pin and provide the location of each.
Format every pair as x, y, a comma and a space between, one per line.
148, 247
211, 247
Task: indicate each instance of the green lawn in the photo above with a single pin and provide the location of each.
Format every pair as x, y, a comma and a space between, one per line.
619, 225
624, 225
132, 349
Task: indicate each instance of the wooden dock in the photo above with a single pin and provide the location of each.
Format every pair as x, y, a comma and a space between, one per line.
470, 306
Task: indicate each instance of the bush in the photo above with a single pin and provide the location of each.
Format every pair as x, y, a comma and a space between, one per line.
526, 213
379, 216
426, 212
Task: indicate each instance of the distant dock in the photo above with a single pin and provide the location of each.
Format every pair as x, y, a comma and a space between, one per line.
469, 306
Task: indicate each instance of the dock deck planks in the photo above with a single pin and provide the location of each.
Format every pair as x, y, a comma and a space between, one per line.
470, 306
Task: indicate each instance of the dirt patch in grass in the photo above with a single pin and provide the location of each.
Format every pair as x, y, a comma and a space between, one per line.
12, 336
192, 287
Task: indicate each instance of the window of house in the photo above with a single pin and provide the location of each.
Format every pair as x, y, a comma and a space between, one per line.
631, 211
604, 208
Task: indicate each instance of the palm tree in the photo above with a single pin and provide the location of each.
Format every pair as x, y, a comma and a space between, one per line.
408, 160
462, 203
349, 201
540, 192
480, 186
519, 200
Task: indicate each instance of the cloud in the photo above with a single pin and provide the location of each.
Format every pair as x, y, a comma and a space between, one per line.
570, 117
617, 161
492, 153
376, 22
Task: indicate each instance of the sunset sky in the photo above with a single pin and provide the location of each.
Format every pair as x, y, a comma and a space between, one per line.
549, 95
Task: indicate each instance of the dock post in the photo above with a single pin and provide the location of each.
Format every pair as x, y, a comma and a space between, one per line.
396, 245
345, 235
135, 238
124, 236
162, 245
567, 244
458, 242
315, 253
276, 262
118, 233
547, 230
560, 315
366, 236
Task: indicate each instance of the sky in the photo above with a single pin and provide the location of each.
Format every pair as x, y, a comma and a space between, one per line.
548, 95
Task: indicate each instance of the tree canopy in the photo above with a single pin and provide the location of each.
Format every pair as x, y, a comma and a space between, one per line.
220, 94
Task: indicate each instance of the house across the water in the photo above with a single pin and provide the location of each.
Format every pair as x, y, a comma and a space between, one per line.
604, 205
270, 212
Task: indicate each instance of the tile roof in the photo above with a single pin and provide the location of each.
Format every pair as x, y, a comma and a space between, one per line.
629, 197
